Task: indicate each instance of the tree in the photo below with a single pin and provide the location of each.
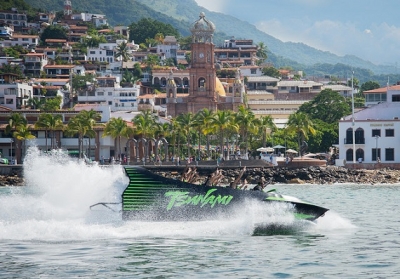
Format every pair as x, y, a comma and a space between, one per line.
271, 72
14, 121
53, 32
52, 104
91, 117
152, 60
148, 28
122, 51
117, 128
187, 122
22, 134
328, 106
185, 43
222, 122
203, 120
36, 103
246, 120
266, 123
49, 122
78, 126
261, 52
145, 125
300, 124
369, 85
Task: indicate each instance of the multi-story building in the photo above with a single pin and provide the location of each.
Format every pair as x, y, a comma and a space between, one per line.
34, 63
104, 53
26, 41
169, 47
236, 53
107, 91
369, 139
58, 71
16, 19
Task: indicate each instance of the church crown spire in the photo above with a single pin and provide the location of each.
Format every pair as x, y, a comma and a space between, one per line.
202, 30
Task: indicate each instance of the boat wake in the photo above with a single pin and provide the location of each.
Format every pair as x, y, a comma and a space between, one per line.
54, 206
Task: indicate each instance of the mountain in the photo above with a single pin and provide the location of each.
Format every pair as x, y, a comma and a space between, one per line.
181, 14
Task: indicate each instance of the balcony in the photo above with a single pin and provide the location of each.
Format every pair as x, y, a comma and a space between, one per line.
358, 140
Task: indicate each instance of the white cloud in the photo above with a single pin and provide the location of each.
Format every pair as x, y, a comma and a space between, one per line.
377, 43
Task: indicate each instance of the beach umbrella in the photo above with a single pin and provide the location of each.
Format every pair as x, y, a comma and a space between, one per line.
265, 149
278, 146
291, 151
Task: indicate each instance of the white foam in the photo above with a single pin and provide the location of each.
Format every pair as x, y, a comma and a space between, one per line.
55, 206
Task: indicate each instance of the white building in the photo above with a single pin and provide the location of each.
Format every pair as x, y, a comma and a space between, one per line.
109, 92
104, 53
375, 129
26, 41
169, 47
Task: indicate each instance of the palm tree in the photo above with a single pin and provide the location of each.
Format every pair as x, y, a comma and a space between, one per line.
117, 128
122, 51
50, 123
145, 125
186, 122
266, 123
261, 52
247, 122
203, 123
22, 134
159, 37
78, 126
15, 120
300, 124
36, 103
92, 117
223, 122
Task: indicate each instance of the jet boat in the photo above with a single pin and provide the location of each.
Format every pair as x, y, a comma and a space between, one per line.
151, 197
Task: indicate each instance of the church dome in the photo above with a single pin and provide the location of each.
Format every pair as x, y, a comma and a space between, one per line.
219, 87
202, 29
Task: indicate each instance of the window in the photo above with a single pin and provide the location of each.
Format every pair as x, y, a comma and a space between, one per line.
253, 71
109, 93
100, 93
109, 103
376, 132
396, 98
92, 52
389, 154
375, 152
389, 133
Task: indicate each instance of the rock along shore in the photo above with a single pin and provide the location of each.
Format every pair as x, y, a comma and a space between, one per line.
310, 175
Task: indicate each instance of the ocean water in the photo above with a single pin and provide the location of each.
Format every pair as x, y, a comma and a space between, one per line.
48, 231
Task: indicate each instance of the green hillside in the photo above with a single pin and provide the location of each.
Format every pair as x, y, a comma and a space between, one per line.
181, 14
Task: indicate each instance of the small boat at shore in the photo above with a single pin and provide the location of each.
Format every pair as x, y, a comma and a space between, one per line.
151, 197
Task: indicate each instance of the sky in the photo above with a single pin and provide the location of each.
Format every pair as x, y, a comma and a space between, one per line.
369, 29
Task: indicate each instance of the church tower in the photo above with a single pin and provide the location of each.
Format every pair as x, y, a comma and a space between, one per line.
171, 88
202, 93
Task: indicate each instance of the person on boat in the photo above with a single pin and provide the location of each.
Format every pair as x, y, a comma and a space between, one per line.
260, 185
233, 184
244, 185
215, 178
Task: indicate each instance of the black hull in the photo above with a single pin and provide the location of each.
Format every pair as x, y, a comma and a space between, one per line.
150, 197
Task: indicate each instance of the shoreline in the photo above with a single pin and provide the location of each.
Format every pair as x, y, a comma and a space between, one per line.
273, 175
328, 175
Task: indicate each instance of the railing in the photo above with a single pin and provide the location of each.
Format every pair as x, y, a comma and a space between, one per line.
357, 141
